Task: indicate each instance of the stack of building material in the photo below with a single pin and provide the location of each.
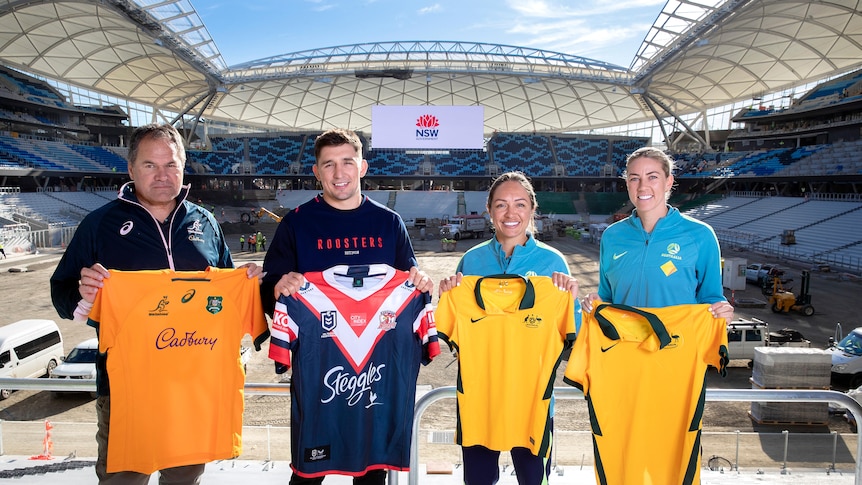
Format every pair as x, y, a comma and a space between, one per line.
791, 368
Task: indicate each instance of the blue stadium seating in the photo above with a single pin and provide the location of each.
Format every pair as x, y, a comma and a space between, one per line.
836, 86
535, 155
530, 154
766, 162
232, 145
273, 156
26, 87
393, 163
307, 159
621, 149
11, 150
221, 163
581, 156
54, 155
460, 162
102, 156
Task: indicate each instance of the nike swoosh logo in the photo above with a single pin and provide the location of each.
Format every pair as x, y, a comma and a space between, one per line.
618, 256
474, 320
605, 349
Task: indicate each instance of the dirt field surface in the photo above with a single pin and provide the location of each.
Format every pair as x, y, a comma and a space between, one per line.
26, 295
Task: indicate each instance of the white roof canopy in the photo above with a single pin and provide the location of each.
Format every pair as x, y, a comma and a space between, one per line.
696, 56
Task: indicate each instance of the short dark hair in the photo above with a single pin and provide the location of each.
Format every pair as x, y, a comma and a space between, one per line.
158, 132
337, 137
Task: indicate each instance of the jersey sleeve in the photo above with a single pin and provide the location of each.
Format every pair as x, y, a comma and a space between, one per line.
709, 286
283, 334
445, 318
577, 367
280, 259
405, 256
573, 322
101, 312
605, 290
80, 253
427, 331
253, 317
717, 354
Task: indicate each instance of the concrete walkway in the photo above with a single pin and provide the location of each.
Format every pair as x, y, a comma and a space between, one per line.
80, 471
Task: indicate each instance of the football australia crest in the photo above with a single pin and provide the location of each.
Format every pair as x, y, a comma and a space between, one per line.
214, 304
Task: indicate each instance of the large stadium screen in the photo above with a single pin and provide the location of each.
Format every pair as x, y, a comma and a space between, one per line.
427, 127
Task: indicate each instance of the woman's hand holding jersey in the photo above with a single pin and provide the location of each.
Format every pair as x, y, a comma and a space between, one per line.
561, 280
722, 309
565, 283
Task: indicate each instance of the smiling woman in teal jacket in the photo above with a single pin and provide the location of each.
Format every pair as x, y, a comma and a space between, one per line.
657, 256
513, 250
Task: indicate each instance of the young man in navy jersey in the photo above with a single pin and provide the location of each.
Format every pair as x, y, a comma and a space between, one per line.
338, 227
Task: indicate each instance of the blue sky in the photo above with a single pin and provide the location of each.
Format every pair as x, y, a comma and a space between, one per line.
606, 30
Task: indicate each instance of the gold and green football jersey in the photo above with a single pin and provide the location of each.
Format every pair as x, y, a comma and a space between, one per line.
509, 333
643, 373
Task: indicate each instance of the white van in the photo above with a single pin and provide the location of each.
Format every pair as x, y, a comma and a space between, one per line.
847, 361
29, 348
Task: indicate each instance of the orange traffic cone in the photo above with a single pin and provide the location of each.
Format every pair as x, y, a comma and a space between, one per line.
47, 444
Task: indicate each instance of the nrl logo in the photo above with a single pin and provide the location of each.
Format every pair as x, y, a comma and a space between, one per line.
328, 320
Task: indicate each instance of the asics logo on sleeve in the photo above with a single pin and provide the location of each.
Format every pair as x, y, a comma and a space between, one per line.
618, 256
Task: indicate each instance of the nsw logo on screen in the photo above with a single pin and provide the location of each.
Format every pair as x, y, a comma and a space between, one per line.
427, 127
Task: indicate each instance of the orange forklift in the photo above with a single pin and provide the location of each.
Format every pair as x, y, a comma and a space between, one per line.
783, 300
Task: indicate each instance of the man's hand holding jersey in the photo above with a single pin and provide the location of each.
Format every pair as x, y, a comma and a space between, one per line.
290, 283
92, 280
252, 270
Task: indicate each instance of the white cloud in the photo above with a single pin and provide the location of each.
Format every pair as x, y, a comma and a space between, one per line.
588, 28
430, 9
584, 8
320, 5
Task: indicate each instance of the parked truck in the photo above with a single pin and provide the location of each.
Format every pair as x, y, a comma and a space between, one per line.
545, 228
758, 273
464, 226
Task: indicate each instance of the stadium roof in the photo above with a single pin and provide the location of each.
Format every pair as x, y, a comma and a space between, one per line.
697, 55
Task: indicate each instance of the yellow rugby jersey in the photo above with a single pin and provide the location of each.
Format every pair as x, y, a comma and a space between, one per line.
509, 333
173, 343
643, 372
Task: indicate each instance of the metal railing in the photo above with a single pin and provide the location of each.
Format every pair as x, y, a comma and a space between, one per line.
712, 395
449, 392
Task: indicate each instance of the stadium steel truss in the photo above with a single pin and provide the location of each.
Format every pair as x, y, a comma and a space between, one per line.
698, 55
